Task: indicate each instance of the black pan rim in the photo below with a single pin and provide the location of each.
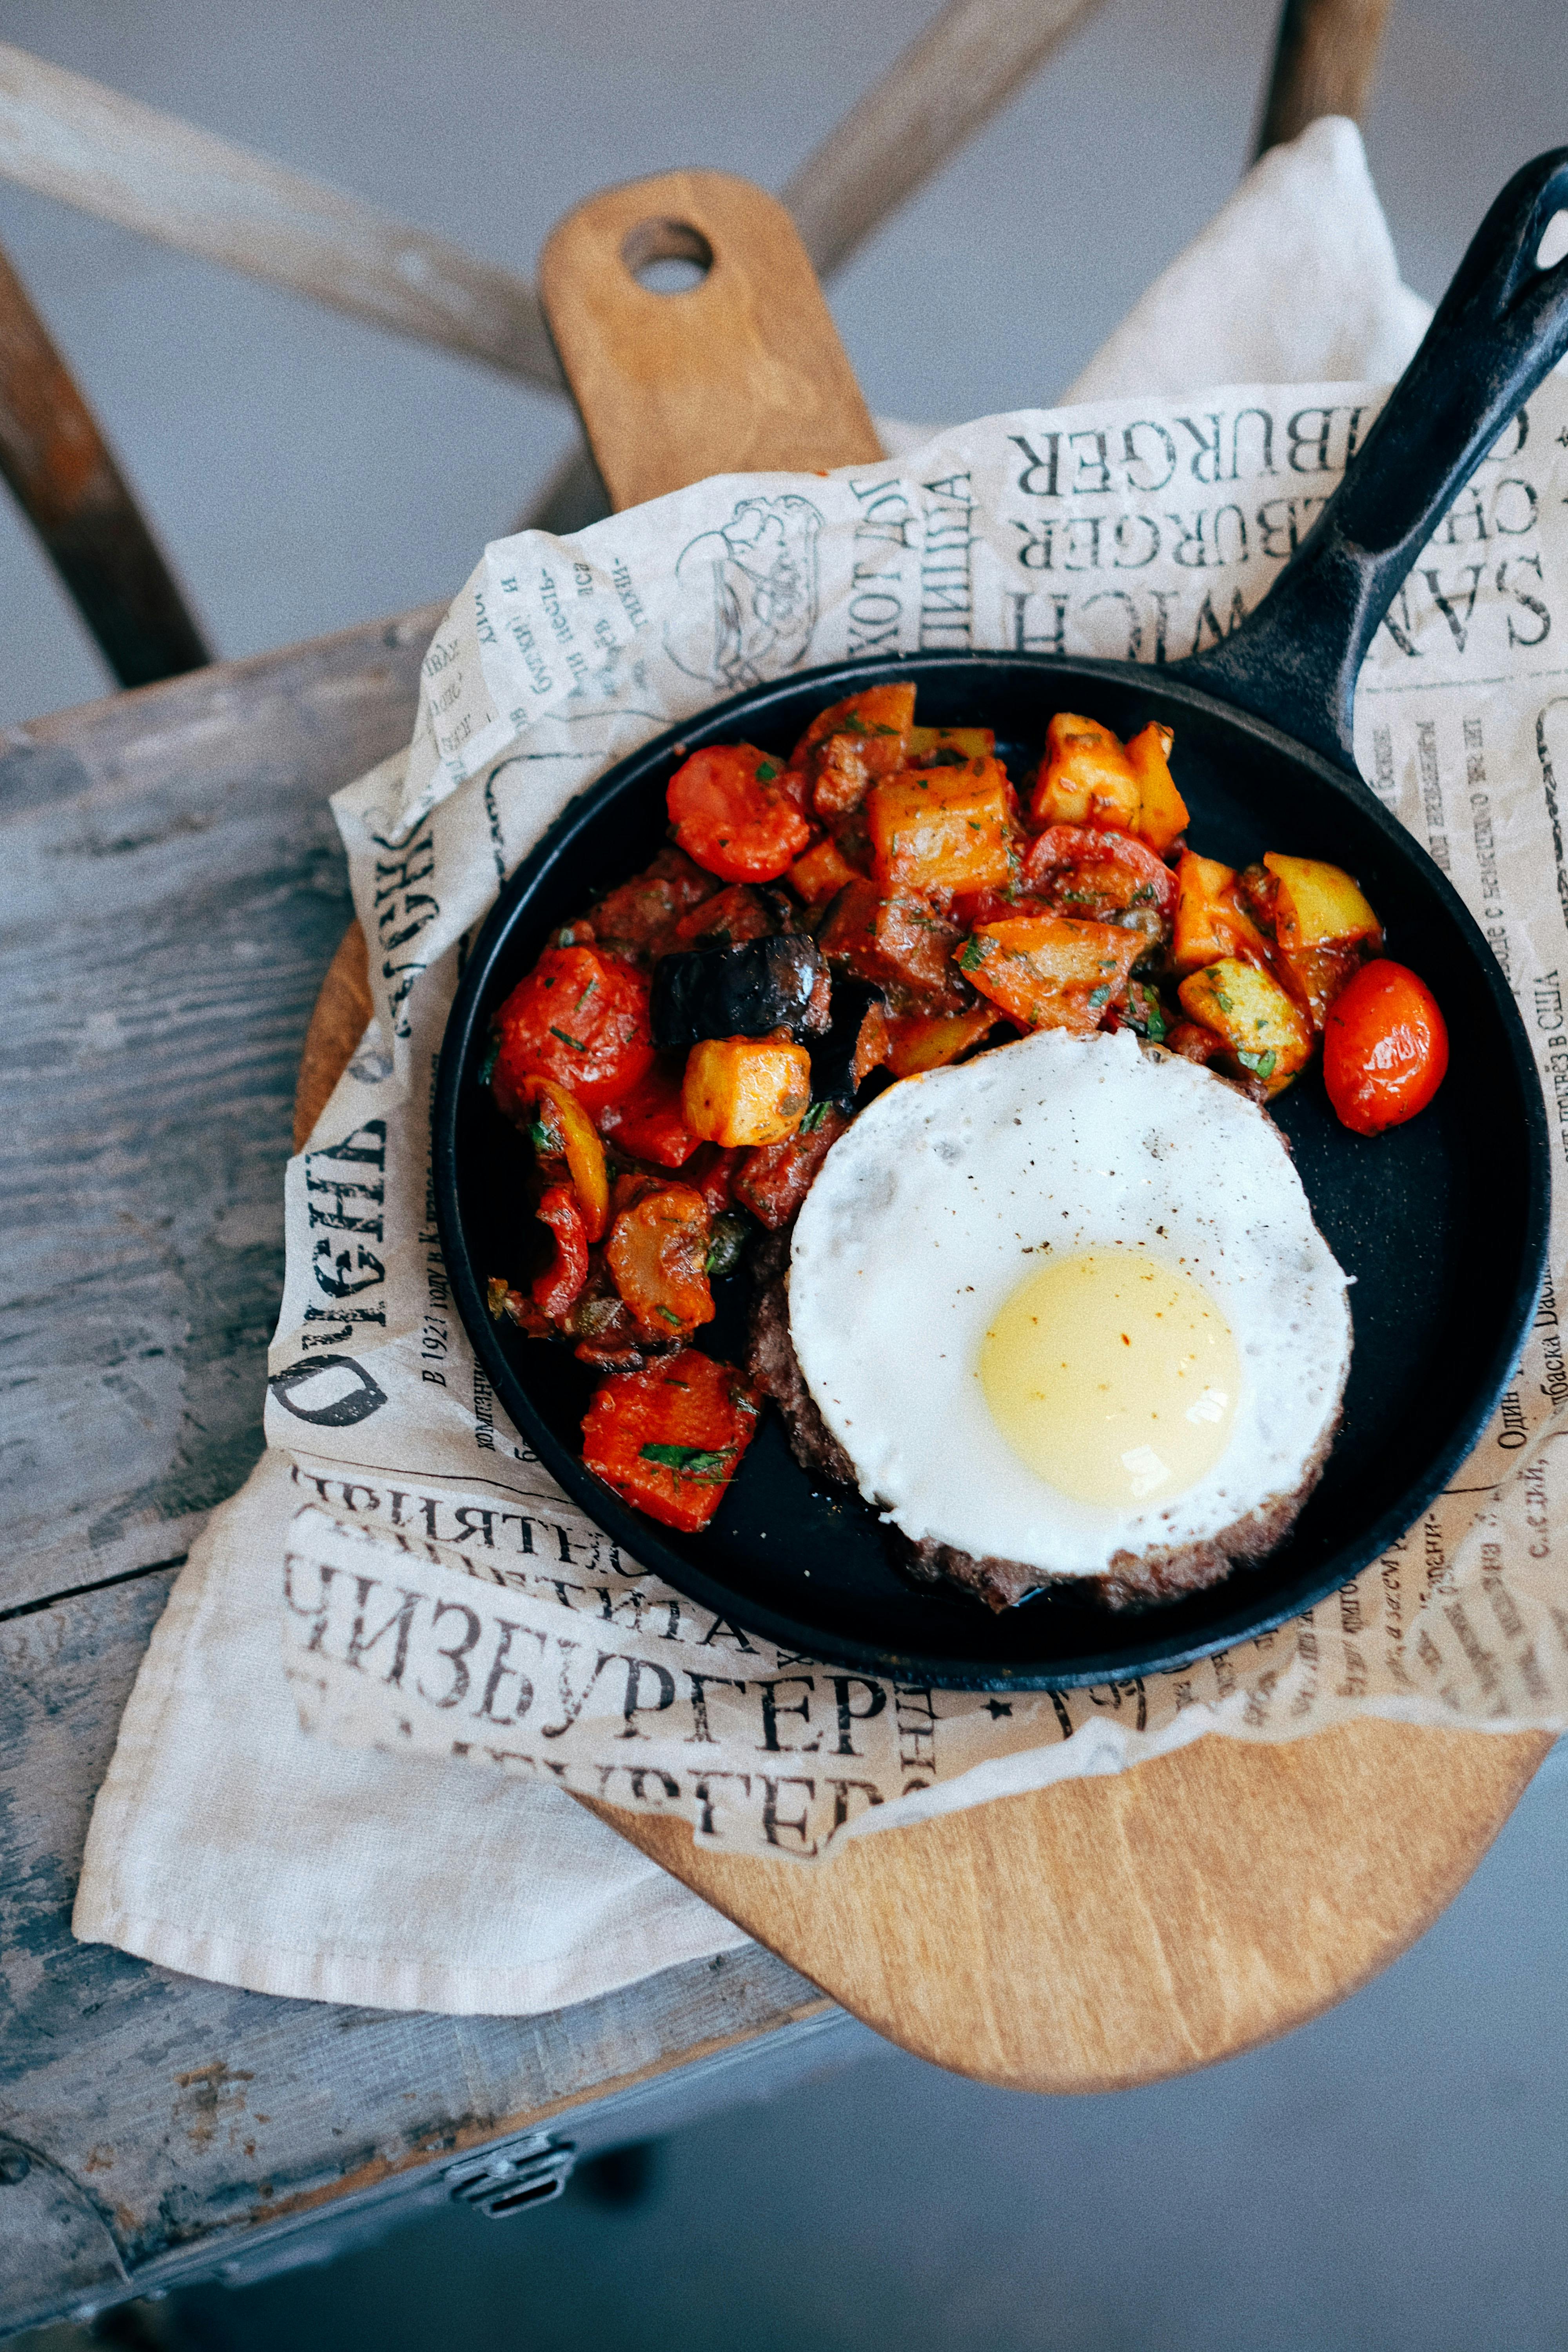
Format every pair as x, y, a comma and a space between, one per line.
1130, 1658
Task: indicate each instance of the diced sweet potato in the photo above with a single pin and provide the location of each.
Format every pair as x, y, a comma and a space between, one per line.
649, 1123
821, 873
928, 747
942, 828
1161, 812
1086, 777
929, 1041
558, 1126
773, 1181
1210, 921
1267, 1030
670, 1439
1046, 971
657, 1253
746, 1089
880, 717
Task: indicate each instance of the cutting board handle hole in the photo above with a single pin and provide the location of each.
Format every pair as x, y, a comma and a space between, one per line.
666, 257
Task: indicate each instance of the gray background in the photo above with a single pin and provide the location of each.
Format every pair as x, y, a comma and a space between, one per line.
1395, 2175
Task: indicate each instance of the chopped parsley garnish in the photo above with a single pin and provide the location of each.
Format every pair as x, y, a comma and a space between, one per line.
813, 1118
1100, 995
673, 1321
1261, 1065
766, 771
576, 1042
972, 955
1153, 1019
689, 1461
544, 1138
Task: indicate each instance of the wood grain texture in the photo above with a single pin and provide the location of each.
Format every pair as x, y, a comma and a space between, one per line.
1325, 62
71, 138
970, 59
175, 890
743, 371
193, 2116
63, 476
1115, 1931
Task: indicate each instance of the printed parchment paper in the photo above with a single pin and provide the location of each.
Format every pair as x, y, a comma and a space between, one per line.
436, 1592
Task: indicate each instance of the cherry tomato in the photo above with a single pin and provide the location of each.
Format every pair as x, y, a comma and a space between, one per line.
581, 1019
1385, 1048
1140, 877
731, 814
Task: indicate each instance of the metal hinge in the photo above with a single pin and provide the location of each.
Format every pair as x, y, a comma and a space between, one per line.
512, 2178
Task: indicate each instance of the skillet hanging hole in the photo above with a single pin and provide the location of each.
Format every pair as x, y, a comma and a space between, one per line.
1554, 245
666, 257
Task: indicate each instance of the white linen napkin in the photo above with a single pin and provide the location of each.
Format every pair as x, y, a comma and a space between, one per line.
227, 1842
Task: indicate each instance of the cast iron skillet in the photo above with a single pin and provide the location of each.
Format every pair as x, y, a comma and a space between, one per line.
1442, 1222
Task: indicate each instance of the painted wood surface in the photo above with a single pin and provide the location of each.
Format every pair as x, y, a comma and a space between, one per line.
190, 2115
174, 893
64, 478
174, 889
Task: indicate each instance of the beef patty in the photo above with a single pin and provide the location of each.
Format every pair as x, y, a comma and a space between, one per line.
1132, 1580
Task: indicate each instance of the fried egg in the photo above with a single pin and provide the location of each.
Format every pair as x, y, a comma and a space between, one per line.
1066, 1306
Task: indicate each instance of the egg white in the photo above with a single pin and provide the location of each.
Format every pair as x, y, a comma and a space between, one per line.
942, 1200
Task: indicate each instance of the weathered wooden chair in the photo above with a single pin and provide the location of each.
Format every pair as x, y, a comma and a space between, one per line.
70, 138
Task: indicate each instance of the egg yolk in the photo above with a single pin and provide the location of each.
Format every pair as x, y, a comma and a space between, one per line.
1112, 1376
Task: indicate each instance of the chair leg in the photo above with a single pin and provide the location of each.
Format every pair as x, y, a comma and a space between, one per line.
65, 481
1325, 62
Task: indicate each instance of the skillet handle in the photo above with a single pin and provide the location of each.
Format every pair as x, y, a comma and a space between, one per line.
1501, 327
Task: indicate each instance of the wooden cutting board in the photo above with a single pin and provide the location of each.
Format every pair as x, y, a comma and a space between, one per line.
1104, 1932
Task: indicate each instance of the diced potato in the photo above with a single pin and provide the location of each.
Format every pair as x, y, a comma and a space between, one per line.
942, 828
948, 746
1324, 925
1210, 921
929, 1041
1319, 903
1267, 1030
556, 1123
1086, 777
880, 717
1161, 812
821, 873
746, 1089
1049, 971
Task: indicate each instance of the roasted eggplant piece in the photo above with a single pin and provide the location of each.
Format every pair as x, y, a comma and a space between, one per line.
837, 1065
748, 991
